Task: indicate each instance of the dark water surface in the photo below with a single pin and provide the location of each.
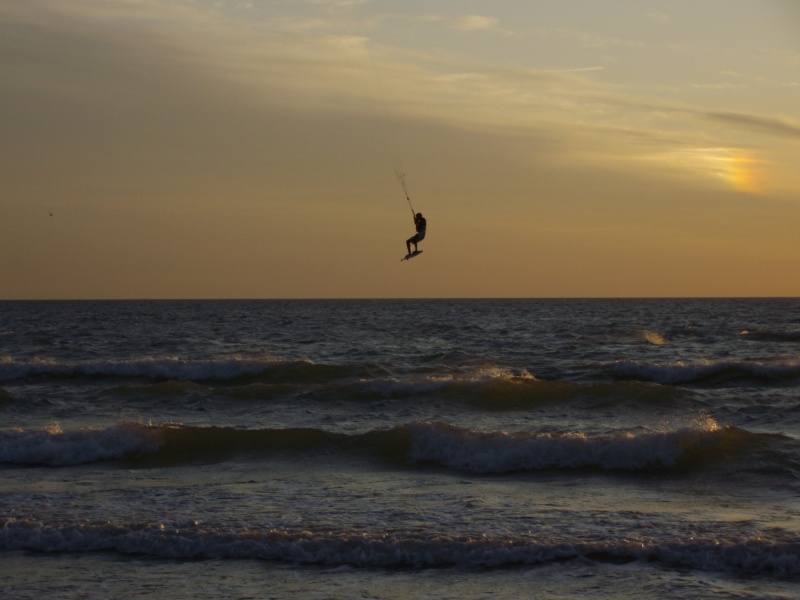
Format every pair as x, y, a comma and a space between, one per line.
399, 448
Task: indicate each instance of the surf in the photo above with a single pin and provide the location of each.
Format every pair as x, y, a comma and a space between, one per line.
417, 443
398, 548
710, 372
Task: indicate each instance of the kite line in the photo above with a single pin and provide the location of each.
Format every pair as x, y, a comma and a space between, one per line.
402, 179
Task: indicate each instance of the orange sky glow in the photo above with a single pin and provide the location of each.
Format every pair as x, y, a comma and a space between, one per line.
246, 149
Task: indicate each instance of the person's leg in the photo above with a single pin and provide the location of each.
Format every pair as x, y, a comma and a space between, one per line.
418, 238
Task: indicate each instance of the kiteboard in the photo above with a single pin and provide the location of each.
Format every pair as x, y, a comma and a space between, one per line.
410, 256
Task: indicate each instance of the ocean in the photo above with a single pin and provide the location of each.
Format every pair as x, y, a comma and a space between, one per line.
400, 449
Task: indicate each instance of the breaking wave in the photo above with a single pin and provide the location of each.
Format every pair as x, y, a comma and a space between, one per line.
54, 447
501, 452
708, 372
497, 390
769, 335
343, 547
440, 444
489, 388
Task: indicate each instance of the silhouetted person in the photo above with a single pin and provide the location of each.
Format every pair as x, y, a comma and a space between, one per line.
420, 223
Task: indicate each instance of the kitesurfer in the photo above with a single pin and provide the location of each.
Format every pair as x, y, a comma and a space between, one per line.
420, 223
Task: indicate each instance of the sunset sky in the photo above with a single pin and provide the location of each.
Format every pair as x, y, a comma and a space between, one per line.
247, 149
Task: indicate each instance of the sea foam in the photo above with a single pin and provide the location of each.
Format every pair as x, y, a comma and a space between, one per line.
500, 452
54, 447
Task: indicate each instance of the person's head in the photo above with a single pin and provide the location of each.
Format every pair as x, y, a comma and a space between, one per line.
419, 215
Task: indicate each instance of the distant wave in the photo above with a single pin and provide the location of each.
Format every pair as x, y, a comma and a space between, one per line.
498, 394
162, 369
446, 445
769, 335
172, 444
501, 389
485, 389
337, 547
711, 372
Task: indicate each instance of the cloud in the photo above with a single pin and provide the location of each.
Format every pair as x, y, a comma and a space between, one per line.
659, 17
718, 86
155, 54
475, 23
588, 39
339, 3
780, 127
135, 12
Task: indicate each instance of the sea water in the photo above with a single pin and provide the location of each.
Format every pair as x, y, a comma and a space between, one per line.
400, 449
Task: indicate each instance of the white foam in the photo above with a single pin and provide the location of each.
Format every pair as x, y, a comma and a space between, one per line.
500, 452
687, 372
653, 337
54, 447
392, 387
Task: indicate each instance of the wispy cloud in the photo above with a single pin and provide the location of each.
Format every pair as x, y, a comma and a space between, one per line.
475, 23
588, 39
295, 62
718, 86
659, 17
775, 126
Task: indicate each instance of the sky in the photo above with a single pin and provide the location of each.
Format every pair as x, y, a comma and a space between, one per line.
249, 149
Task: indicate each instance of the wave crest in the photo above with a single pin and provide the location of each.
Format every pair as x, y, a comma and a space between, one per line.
710, 372
53, 447
449, 446
771, 335
335, 547
501, 452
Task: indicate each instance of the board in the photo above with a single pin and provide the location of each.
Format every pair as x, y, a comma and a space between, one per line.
410, 256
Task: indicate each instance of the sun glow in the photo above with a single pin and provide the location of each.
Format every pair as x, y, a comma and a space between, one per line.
737, 168
740, 170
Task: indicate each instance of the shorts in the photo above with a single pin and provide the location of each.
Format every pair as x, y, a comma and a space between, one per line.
418, 238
